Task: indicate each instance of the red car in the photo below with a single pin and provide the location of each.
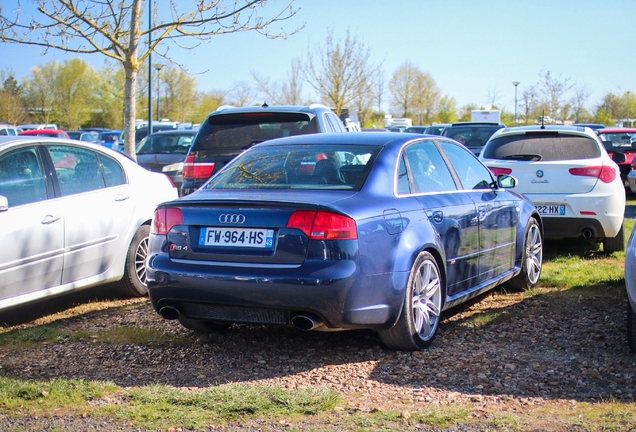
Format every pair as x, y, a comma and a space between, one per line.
620, 140
53, 133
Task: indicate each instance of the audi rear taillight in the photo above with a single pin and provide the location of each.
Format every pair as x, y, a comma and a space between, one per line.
193, 170
164, 219
499, 171
606, 174
321, 225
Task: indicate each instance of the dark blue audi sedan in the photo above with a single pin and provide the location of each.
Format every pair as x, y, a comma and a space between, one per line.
342, 231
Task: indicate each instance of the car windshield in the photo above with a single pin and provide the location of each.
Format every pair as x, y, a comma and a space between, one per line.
343, 167
473, 137
165, 144
542, 146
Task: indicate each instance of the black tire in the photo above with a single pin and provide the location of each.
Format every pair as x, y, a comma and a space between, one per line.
420, 316
615, 244
199, 326
133, 284
531, 261
631, 327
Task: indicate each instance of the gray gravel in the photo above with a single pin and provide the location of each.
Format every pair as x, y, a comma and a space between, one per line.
546, 349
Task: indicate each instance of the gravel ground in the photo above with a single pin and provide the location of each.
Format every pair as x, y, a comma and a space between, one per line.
551, 350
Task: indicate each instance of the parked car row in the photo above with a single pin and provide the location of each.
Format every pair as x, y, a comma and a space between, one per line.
286, 219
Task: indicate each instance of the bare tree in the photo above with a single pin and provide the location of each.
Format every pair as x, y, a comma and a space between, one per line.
339, 71
414, 93
286, 93
241, 94
379, 92
553, 91
578, 101
113, 28
402, 87
529, 103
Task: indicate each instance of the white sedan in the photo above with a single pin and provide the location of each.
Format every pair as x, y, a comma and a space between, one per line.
72, 215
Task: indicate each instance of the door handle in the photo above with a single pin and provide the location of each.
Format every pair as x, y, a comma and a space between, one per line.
121, 197
49, 219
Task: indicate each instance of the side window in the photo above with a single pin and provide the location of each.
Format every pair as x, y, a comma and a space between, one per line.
77, 169
113, 173
403, 178
471, 172
428, 169
21, 177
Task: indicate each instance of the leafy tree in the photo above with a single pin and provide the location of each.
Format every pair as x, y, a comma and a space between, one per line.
113, 28
465, 112
207, 103
340, 71
447, 112
11, 107
74, 90
179, 95
38, 96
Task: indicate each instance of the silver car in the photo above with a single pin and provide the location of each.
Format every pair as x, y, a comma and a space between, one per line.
72, 215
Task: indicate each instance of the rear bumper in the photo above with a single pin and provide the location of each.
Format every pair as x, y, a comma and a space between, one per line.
608, 208
333, 291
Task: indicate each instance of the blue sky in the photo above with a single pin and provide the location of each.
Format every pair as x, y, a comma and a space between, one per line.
472, 49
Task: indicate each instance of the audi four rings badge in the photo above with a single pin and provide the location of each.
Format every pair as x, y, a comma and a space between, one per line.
232, 219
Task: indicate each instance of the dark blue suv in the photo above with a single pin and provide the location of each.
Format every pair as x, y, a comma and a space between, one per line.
228, 131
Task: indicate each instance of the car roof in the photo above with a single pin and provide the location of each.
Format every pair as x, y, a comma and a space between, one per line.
41, 131
276, 108
617, 130
352, 138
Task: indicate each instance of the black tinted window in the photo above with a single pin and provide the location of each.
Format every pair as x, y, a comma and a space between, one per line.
471, 136
545, 147
232, 133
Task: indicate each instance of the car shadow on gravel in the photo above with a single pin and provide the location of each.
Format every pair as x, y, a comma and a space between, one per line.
553, 345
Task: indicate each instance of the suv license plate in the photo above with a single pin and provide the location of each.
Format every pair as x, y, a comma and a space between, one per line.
237, 237
554, 209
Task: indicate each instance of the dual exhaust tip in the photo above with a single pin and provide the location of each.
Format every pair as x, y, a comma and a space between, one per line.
303, 321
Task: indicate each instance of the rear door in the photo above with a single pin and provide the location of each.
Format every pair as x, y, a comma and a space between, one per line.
98, 208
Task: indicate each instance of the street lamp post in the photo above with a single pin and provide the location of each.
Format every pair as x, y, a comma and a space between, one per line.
515, 83
149, 67
628, 114
158, 67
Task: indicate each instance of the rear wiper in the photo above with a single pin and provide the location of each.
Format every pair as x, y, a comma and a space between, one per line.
523, 157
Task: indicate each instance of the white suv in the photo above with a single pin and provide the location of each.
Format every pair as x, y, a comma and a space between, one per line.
566, 172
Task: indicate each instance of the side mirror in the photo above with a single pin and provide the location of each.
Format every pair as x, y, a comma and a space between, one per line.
506, 182
4, 203
619, 157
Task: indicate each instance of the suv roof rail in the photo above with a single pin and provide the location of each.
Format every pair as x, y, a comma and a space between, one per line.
222, 107
318, 105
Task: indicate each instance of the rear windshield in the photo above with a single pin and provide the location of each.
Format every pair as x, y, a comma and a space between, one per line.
474, 137
165, 144
232, 133
618, 141
298, 167
544, 147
